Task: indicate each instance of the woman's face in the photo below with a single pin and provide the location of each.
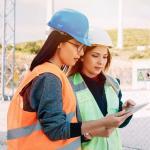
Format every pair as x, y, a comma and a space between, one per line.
94, 61
69, 52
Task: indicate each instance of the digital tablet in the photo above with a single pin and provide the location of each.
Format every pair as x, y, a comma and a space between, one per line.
136, 108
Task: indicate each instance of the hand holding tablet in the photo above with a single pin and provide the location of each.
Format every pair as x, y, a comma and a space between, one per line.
136, 108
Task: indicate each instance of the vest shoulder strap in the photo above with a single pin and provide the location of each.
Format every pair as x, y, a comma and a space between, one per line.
113, 82
43, 68
77, 105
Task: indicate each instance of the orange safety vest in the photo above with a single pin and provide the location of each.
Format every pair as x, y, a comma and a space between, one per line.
24, 129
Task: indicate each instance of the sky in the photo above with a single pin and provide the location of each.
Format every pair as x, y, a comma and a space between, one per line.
31, 15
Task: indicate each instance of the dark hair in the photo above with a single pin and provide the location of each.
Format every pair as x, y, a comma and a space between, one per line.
49, 48
78, 66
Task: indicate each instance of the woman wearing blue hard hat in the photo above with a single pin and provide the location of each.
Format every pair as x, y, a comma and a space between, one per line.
42, 113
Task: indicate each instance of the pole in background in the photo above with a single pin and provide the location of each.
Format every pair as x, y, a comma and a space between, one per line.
50, 11
8, 49
120, 26
3, 51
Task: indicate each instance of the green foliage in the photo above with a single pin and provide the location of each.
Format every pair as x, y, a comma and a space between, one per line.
132, 37
29, 47
140, 55
9, 47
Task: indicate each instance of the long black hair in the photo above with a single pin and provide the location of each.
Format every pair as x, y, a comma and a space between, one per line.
49, 48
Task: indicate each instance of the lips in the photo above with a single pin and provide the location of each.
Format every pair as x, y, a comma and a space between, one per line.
76, 59
98, 68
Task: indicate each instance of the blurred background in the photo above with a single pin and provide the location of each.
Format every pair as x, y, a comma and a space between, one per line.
23, 30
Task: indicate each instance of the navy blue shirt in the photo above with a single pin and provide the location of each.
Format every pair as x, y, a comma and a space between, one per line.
96, 86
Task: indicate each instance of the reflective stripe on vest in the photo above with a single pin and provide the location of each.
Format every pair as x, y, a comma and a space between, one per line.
72, 146
78, 87
20, 132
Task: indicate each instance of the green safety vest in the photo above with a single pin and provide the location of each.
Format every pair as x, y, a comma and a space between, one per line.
89, 110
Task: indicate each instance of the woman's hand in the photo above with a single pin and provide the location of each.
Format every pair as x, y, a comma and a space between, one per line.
115, 120
99, 132
104, 126
128, 103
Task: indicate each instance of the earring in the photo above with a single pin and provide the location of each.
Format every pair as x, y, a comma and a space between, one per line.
58, 47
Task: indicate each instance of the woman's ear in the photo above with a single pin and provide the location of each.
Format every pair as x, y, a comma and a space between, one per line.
60, 45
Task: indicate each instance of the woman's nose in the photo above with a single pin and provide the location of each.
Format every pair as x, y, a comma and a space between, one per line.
100, 61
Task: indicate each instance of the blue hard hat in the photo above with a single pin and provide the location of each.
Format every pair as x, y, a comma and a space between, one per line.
73, 23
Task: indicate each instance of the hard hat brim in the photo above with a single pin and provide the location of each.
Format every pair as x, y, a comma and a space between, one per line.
81, 40
109, 46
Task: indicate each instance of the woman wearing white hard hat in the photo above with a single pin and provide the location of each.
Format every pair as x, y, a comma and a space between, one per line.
98, 95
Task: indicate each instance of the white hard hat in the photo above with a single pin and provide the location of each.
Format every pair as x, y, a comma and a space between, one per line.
99, 36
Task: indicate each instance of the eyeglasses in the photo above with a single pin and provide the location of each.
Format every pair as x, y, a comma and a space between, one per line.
79, 47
